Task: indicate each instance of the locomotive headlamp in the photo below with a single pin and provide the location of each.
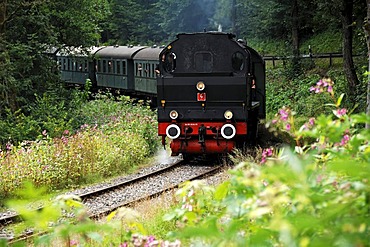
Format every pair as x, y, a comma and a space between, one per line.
228, 131
174, 114
201, 86
228, 114
173, 131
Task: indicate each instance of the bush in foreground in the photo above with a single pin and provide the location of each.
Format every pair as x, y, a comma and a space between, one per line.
114, 146
316, 194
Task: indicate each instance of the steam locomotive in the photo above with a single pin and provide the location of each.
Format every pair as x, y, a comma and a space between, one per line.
209, 87
211, 93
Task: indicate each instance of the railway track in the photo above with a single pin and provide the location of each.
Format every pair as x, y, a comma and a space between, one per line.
99, 202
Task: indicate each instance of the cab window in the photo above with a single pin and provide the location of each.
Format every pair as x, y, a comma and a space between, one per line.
169, 62
237, 61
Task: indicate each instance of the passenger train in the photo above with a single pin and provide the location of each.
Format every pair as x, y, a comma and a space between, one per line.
209, 87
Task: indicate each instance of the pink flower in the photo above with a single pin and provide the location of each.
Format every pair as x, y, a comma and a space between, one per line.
340, 112
287, 127
266, 153
44, 133
344, 140
311, 121
284, 114
323, 86
73, 242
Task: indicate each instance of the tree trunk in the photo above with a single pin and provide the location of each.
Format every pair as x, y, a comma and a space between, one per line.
295, 27
349, 68
296, 65
367, 33
2, 17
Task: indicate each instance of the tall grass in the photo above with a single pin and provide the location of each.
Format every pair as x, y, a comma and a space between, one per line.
118, 138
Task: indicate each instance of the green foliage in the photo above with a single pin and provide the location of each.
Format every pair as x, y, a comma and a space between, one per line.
267, 46
295, 94
328, 41
55, 111
315, 196
110, 143
55, 221
28, 30
64, 221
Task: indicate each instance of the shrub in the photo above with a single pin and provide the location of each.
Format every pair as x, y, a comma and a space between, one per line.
126, 137
317, 195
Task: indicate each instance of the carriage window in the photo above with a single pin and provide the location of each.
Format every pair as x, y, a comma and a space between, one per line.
237, 61
80, 65
124, 67
110, 67
139, 69
147, 70
203, 61
104, 66
152, 71
169, 62
119, 67
86, 66
99, 66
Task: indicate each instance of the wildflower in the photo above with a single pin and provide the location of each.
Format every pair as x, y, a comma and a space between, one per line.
287, 127
44, 133
9, 146
151, 241
344, 140
311, 121
323, 85
308, 125
73, 243
84, 126
284, 114
66, 132
64, 140
340, 112
266, 153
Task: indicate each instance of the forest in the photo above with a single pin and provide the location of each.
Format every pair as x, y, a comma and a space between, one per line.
28, 28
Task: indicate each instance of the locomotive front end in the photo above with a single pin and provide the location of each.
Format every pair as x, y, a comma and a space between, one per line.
205, 94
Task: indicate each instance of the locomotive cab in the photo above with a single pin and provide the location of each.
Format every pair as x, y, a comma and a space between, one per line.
211, 93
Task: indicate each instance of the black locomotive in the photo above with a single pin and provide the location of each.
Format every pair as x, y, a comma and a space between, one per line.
209, 87
211, 93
